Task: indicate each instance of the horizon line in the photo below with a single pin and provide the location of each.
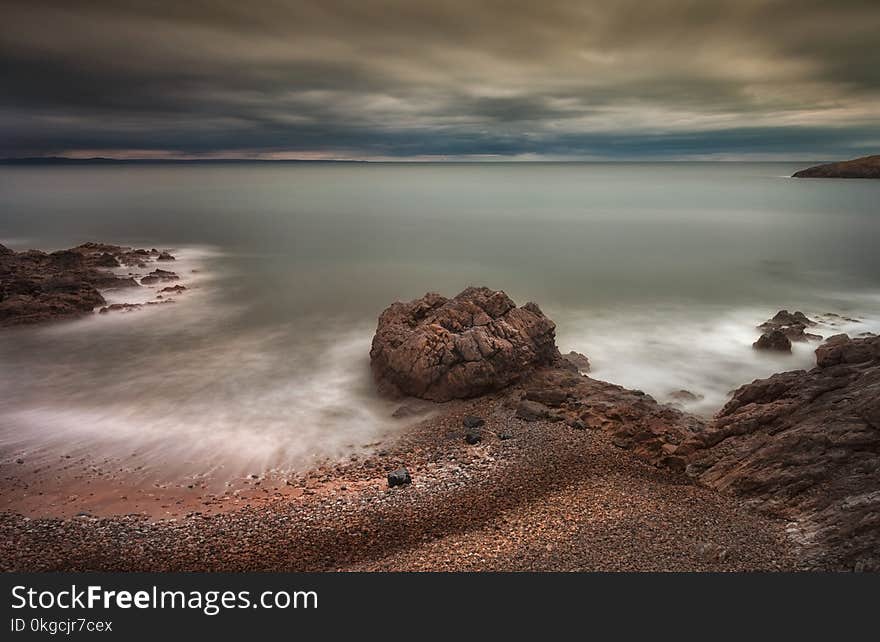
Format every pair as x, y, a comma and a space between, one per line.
35, 160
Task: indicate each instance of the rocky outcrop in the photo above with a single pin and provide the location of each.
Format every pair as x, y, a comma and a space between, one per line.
38, 286
477, 342
866, 167
773, 340
792, 324
806, 445
634, 420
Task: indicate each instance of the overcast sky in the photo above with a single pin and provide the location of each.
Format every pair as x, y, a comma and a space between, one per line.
375, 79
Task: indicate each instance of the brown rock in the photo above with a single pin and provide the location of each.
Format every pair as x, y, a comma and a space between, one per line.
532, 411
440, 349
805, 445
553, 397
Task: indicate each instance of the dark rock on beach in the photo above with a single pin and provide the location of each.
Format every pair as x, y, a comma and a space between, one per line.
470, 421
477, 342
399, 477
865, 167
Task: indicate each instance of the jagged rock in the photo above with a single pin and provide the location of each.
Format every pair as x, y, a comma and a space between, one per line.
579, 361
792, 324
805, 445
473, 422
105, 259
473, 436
159, 275
165, 256
784, 318
440, 349
773, 340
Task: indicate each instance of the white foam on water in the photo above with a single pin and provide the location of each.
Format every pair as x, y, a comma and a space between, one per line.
704, 350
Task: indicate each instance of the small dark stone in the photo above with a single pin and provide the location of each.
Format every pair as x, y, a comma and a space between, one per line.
399, 477
577, 424
19, 461
473, 436
472, 422
504, 435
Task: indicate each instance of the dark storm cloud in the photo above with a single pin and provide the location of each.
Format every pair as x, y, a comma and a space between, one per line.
399, 79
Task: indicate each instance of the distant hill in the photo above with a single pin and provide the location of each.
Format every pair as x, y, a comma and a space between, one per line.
867, 167
62, 160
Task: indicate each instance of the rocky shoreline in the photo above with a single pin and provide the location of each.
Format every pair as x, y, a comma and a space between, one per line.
38, 287
530, 464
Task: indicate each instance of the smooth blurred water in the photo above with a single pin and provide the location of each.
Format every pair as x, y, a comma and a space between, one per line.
658, 272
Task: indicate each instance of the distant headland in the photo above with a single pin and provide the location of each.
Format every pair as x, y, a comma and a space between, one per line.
865, 167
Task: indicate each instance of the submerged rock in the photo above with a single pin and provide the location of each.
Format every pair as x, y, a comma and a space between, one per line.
792, 324
477, 342
685, 396
159, 275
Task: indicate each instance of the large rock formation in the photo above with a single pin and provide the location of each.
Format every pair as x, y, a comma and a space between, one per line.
441, 349
866, 167
806, 445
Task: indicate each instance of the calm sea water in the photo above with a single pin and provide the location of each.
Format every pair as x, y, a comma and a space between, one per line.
658, 272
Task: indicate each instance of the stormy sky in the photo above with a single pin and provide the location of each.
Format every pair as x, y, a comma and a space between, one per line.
456, 79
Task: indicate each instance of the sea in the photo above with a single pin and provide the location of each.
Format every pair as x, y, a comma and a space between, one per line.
658, 272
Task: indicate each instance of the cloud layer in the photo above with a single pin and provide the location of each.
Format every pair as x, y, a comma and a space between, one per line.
446, 79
